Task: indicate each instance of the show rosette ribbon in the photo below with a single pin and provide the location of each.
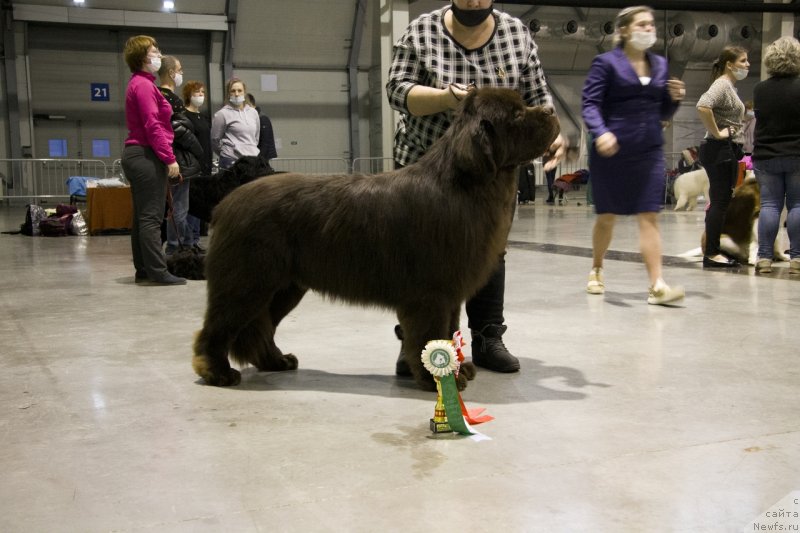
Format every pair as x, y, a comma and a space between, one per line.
442, 358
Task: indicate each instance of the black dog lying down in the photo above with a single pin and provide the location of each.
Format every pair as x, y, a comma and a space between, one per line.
205, 192
419, 240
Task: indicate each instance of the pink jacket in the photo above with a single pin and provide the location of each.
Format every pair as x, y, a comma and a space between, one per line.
148, 115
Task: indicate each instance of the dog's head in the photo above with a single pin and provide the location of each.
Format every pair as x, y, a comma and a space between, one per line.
494, 129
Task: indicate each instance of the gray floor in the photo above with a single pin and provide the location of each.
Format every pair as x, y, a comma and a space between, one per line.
625, 417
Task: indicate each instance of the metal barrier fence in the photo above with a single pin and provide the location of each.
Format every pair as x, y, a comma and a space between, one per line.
372, 165
314, 165
39, 179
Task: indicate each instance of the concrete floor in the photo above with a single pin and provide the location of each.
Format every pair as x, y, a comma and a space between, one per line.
625, 417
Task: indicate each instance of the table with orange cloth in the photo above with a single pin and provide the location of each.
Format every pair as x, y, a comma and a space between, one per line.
110, 209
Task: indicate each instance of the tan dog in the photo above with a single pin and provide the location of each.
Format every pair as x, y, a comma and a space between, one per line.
419, 240
737, 232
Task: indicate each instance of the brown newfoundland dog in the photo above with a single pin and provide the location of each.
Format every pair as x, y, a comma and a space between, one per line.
419, 240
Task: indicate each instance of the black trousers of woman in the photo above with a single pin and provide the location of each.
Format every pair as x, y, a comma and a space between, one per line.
722, 167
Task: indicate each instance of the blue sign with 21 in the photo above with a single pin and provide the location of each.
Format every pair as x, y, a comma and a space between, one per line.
100, 92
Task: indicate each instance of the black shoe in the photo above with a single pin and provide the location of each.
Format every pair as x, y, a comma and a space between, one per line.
711, 263
169, 279
140, 276
488, 350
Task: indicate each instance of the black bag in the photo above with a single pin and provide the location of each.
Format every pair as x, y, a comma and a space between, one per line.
33, 215
526, 190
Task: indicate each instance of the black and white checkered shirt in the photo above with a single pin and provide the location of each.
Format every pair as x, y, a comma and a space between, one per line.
428, 55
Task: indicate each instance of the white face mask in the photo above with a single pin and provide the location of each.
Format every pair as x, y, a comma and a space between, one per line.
739, 73
642, 40
197, 101
178, 79
154, 65
237, 100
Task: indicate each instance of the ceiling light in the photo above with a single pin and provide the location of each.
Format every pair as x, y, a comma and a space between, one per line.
79, 2
169, 5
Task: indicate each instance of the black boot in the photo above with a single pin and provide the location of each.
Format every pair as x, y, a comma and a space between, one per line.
488, 350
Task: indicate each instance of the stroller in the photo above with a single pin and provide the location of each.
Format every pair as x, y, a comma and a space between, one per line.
570, 182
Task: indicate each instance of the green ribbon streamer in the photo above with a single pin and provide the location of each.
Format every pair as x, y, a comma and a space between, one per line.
452, 407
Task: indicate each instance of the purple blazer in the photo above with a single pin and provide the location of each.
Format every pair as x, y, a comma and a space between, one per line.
615, 100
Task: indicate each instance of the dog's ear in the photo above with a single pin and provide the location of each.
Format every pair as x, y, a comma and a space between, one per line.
473, 144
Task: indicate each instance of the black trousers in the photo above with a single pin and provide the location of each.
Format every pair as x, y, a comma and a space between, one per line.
486, 307
722, 167
147, 175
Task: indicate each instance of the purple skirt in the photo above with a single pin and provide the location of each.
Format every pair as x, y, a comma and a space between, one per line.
627, 184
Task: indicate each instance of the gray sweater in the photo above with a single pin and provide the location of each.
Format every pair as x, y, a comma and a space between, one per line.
234, 132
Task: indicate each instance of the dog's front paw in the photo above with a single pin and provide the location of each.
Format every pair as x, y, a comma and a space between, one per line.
461, 381
468, 369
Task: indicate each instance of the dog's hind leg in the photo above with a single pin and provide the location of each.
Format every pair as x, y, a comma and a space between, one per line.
284, 301
210, 360
226, 317
255, 344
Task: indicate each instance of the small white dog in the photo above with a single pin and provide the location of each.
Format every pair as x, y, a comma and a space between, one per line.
688, 187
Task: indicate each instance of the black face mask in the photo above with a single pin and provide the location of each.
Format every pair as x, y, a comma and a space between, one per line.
470, 17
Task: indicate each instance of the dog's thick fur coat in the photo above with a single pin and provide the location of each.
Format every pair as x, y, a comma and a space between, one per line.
419, 240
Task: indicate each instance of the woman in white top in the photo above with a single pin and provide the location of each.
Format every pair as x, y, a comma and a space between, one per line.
235, 127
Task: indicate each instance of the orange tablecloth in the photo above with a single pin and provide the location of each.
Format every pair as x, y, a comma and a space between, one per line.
109, 209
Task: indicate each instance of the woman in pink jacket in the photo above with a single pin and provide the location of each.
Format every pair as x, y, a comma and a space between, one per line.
147, 159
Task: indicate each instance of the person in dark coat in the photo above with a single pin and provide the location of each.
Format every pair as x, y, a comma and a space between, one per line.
194, 97
188, 153
266, 139
625, 99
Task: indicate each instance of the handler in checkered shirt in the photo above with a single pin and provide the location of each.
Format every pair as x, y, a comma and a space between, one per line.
434, 63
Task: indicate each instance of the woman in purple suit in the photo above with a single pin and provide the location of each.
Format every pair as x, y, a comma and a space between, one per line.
625, 99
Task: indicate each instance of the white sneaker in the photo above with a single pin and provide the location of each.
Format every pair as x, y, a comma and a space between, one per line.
794, 266
662, 294
763, 266
595, 285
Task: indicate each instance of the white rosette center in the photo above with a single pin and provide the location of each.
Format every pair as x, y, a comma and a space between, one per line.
439, 358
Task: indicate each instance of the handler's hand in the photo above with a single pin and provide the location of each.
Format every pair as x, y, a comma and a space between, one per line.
457, 92
607, 144
173, 170
557, 151
677, 89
